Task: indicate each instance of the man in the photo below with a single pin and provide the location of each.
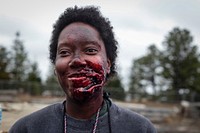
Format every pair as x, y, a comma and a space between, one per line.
83, 50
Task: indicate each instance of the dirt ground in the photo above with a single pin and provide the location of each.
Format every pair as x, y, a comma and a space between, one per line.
16, 111
13, 111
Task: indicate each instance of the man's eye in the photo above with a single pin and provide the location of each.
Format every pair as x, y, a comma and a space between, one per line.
91, 51
64, 53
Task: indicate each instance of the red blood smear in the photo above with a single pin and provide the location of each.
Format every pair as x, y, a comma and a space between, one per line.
81, 83
94, 82
96, 67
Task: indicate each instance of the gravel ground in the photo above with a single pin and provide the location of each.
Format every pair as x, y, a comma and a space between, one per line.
13, 111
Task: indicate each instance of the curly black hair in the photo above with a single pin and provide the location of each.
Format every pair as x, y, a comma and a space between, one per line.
92, 16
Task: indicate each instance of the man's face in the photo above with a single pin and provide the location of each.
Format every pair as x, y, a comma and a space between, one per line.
81, 62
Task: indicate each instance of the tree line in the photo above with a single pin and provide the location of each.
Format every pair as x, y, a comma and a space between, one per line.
172, 74
16, 69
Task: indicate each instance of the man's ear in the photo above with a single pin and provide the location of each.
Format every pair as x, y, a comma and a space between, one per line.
108, 66
55, 72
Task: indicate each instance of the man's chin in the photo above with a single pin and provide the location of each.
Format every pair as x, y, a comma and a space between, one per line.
80, 96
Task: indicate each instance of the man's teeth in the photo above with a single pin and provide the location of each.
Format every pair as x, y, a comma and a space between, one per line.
77, 78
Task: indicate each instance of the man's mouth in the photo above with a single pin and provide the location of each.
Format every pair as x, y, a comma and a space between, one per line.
85, 82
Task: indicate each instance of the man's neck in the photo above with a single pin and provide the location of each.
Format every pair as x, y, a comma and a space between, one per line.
85, 110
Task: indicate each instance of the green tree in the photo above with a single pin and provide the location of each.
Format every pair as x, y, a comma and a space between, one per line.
115, 88
34, 80
34, 74
145, 73
4, 64
51, 83
51, 77
136, 85
180, 62
19, 60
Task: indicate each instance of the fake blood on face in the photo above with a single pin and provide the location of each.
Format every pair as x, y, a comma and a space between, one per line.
87, 81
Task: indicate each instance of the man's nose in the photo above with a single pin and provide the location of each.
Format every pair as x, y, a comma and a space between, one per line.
77, 62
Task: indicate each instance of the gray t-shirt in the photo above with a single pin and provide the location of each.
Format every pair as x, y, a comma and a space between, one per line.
51, 120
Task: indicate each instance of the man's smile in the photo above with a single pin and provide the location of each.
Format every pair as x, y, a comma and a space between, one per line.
85, 80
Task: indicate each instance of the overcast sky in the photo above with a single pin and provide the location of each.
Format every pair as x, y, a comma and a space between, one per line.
137, 24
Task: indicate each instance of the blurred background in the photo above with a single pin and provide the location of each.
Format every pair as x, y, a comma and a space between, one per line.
158, 61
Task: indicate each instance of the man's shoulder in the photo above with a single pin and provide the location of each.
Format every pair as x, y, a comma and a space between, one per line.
124, 112
131, 119
46, 111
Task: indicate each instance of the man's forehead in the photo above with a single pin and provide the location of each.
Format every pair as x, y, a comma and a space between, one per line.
79, 31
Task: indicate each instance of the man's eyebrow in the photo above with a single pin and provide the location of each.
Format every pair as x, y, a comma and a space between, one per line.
95, 43
62, 44
91, 42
